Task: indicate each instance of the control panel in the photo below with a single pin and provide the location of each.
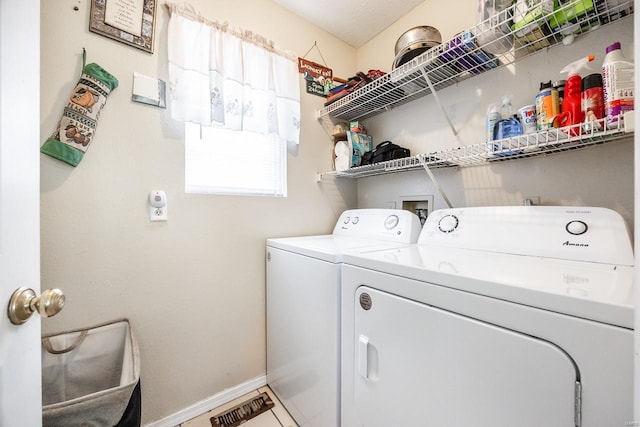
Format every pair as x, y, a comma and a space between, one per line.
384, 224
575, 233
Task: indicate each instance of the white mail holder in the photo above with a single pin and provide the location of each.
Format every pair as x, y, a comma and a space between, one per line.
149, 90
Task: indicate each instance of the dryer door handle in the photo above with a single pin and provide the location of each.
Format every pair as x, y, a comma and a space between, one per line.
363, 356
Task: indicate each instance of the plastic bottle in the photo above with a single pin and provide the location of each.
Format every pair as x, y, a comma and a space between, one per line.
592, 101
572, 102
547, 105
493, 115
506, 127
506, 109
559, 85
617, 82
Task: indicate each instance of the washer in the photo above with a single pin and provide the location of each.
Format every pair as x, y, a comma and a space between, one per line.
303, 308
498, 317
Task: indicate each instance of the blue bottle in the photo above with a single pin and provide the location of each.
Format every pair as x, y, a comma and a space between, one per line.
507, 128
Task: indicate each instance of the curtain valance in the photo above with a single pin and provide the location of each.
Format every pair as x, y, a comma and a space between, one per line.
230, 78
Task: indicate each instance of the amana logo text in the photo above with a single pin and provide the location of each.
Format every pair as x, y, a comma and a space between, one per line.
581, 245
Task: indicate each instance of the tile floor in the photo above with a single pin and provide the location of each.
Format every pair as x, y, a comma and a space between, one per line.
276, 417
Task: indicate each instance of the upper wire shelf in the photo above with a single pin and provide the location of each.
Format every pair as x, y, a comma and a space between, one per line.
527, 145
500, 40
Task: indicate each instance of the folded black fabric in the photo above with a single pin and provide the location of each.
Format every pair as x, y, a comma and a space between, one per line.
383, 152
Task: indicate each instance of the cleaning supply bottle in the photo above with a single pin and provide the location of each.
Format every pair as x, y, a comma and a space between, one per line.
547, 106
509, 125
506, 127
501, 128
617, 81
506, 109
572, 102
493, 115
592, 102
559, 85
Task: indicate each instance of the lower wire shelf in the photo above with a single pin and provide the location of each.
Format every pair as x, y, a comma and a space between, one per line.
542, 143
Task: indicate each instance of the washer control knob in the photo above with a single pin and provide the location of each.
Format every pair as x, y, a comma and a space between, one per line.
347, 219
577, 227
391, 222
448, 223
355, 220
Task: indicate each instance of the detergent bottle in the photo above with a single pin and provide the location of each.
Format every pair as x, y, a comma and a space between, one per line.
507, 127
571, 109
618, 84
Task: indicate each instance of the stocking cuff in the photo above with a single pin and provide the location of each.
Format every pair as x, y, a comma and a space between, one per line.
56, 149
102, 75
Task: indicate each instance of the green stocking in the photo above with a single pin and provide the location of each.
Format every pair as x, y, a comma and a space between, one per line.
77, 127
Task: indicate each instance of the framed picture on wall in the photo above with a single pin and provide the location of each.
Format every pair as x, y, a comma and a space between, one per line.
131, 22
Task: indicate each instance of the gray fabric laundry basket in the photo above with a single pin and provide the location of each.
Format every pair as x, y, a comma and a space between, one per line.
89, 376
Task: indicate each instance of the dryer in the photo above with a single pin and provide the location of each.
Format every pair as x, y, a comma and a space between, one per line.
501, 316
303, 308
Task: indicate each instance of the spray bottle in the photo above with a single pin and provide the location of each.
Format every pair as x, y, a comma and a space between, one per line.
571, 109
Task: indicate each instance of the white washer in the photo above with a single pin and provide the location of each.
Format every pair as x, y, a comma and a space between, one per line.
505, 316
303, 308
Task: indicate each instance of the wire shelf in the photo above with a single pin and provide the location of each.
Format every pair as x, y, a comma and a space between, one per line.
500, 40
551, 141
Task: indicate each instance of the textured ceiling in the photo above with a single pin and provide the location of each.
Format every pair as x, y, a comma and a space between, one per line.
353, 21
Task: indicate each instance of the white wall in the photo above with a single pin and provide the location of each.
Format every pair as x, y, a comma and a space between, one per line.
193, 287
448, 17
600, 176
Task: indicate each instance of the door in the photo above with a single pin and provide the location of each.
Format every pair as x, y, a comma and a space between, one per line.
20, 372
417, 365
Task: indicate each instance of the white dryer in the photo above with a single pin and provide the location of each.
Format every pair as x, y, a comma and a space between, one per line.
502, 316
303, 308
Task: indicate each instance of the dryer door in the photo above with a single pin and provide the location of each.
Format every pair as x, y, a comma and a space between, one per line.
417, 365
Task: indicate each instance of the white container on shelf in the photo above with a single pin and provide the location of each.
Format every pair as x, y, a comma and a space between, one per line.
618, 84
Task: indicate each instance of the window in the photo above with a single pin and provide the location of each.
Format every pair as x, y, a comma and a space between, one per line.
222, 161
239, 97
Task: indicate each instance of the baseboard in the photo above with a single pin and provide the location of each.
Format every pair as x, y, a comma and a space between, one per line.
210, 403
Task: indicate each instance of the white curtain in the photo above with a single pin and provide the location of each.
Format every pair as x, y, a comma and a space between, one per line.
236, 81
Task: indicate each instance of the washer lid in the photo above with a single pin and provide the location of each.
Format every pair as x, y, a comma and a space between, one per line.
599, 292
329, 247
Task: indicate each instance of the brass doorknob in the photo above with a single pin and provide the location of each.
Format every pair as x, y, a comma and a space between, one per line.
24, 302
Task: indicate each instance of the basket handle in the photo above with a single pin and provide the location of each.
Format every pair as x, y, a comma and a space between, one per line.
46, 343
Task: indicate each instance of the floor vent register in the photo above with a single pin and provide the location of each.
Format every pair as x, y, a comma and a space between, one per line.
243, 412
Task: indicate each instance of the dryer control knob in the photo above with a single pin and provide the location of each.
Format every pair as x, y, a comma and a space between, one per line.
391, 222
355, 220
347, 219
448, 223
577, 227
